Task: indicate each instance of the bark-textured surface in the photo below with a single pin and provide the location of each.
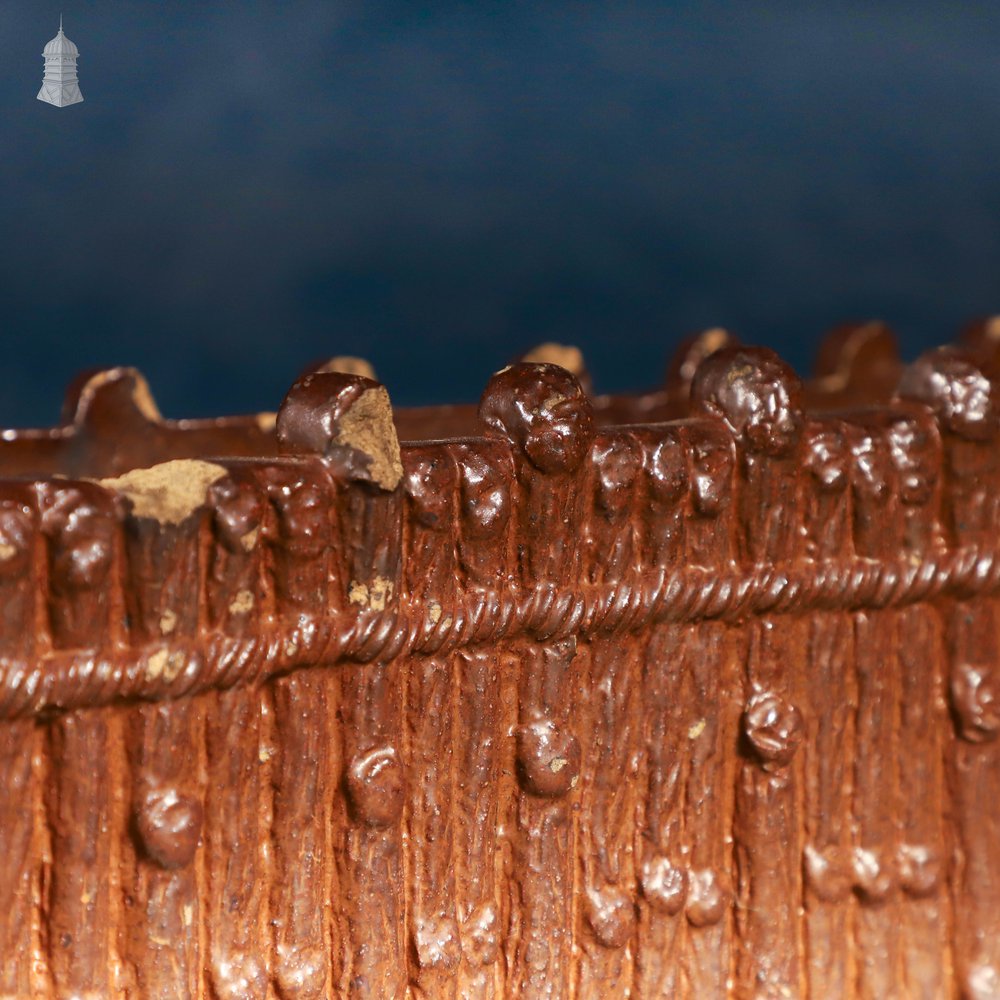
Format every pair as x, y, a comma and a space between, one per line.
579, 706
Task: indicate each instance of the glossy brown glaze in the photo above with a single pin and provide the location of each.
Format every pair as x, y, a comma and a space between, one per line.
686, 694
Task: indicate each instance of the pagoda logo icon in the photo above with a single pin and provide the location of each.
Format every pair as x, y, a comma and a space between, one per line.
59, 85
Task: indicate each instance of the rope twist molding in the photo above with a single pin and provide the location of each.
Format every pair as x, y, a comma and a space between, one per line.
66, 679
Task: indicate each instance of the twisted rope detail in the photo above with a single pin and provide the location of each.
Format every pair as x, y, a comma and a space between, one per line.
65, 679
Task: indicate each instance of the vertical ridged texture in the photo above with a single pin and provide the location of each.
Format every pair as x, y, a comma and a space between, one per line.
303, 772
77, 522
828, 744
433, 938
917, 528
162, 911
544, 414
660, 857
829, 777
607, 798
293, 527
767, 822
709, 662
876, 785
18, 851
478, 787
236, 961
484, 761
369, 941
542, 877
432, 932
711, 730
971, 463
78, 808
660, 860
975, 788
611, 741
768, 829
18, 848
733, 803
927, 920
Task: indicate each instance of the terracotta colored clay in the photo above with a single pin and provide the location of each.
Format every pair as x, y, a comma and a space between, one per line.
694, 693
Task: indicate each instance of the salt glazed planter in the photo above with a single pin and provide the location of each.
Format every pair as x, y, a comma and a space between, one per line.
686, 694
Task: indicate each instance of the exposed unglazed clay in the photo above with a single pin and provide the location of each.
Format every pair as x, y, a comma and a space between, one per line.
169, 492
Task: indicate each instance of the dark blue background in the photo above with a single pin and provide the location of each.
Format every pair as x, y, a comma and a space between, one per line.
249, 186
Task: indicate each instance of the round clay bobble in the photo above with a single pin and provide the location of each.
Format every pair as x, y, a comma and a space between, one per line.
610, 915
84, 529
773, 728
376, 788
618, 461
914, 448
828, 872
347, 419
664, 885
484, 494
17, 526
755, 393
168, 823
237, 512
958, 391
711, 450
828, 457
981, 981
668, 472
543, 410
548, 759
975, 702
429, 485
481, 934
81, 522
301, 975
873, 875
919, 869
237, 975
437, 944
707, 899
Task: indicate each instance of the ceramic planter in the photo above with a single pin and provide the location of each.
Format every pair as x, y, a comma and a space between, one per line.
688, 694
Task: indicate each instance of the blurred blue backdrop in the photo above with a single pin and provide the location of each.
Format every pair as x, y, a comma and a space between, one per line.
249, 186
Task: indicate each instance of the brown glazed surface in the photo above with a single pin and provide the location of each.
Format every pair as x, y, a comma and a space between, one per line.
693, 693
